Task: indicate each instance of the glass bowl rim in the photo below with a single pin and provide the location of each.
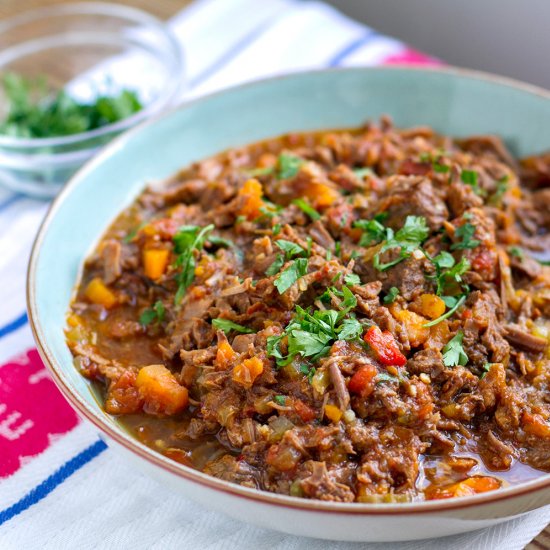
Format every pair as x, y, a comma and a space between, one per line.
132, 14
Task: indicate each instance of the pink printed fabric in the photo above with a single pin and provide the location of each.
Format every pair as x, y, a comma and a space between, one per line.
26, 428
59, 485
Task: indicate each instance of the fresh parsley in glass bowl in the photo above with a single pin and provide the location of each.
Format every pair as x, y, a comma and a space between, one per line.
73, 77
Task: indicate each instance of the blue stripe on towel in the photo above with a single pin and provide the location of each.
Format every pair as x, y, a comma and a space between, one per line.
352, 47
12, 326
49, 484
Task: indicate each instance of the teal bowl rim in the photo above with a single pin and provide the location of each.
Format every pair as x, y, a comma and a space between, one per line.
156, 459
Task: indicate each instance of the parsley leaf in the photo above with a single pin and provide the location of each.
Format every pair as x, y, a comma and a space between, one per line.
276, 229
392, 294
297, 269
188, 239
453, 352
255, 172
276, 266
289, 248
306, 208
352, 279
280, 400
465, 233
362, 172
515, 251
156, 313
309, 372
220, 241
34, 112
470, 177
502, 187
350, 329
373, 231
226, 325
457, 303
407, 239
288, 165
310, 335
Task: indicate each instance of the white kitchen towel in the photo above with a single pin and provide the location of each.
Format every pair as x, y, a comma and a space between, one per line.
60, 486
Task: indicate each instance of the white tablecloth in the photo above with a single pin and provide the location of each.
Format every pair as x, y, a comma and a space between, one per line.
60, 486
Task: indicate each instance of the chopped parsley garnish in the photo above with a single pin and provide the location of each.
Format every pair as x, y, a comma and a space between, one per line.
280, 400
392, 294
288, 165
465, 233
544, 262
220, 241
352, 279
307, 209
227, 326
297, 269
502, 187
255, 172
448, 300
290, 249
515, 251
373, 231
153, 314
409, 238
276, 266
470, 177
453, 352
36, 113
448, 273
276, 229
310, 335
187, 240
362, 172
307, 371
337, 248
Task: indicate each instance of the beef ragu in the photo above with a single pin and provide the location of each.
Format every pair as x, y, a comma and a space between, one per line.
348, 315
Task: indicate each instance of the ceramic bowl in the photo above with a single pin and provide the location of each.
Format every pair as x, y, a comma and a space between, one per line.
453, 101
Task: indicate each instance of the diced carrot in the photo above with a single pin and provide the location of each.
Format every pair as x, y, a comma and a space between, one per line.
98, 293
333, 413
224, 355
74, 320
535, 424
306, 413
470, 486
252, 192
245, 373
362, 382
320, 195
155, 261
431, 306
160, 390
414, 324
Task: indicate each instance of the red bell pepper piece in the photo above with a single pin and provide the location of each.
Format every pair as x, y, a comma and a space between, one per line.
385, 346
362, 382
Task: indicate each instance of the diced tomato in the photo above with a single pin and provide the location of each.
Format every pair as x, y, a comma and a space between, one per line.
306, 413
362, 382
385, 346
123, 396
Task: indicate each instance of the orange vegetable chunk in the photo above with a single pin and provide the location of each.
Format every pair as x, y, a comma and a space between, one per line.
98, 293
155, 261
245, 373
161, 392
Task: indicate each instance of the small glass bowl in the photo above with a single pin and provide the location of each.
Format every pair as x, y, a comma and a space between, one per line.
85, 49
